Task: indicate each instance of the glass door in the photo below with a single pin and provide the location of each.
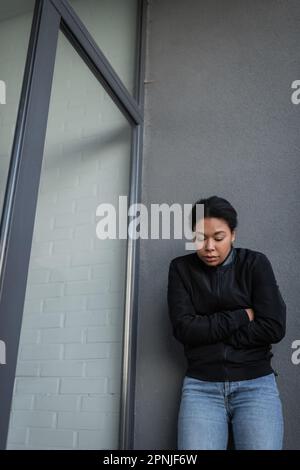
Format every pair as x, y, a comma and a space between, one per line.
68, 332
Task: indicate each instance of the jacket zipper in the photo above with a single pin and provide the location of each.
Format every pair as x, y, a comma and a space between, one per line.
225, 357
218, 285
224, 345
225, 354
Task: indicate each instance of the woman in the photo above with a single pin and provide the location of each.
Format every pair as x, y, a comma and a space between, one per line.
226, 309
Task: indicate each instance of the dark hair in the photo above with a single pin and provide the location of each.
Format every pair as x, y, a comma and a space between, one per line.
218, 207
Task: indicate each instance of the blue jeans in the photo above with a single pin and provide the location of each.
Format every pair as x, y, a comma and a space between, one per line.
253, 407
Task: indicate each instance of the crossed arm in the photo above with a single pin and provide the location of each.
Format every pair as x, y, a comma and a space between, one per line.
269, 324
191, 328
231, 326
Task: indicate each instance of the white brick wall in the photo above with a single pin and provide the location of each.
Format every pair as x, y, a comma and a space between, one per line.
67, 388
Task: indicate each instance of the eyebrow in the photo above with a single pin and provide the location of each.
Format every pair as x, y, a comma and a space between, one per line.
219, 231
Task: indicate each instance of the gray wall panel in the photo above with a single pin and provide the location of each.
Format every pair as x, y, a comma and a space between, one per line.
219, 120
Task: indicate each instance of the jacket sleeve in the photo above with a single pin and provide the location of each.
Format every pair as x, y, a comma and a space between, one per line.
194, 329
269, 323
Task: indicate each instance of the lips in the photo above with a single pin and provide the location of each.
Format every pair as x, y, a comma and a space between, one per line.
210, 257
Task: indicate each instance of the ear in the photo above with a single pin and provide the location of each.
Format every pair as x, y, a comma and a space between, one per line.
233, 236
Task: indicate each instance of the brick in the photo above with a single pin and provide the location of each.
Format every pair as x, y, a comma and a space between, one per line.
71, 194
44, 290
86, 351
106, 300
71, 220
106, 403
54, 261
70, 274
42, 248
29, 369
83, 385
29, 336
67, 303
114, 385
33, 306
81, 420
16, 436
97, 440
56, 402
42, 419
71, 246
64, 233
61, 335
86, 318
62, 369
40, 351
36, 385
87, 203
88, 287
103, 367
51, 438
22, 402
105, 270
91, 258
50, 320
38, 276
104, 333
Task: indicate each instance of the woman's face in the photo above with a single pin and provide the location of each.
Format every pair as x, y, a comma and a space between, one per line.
213, 240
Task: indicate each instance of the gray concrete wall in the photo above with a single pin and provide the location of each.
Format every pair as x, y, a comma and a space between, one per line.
219, 120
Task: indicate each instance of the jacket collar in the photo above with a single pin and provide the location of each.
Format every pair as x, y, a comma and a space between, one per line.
229, 258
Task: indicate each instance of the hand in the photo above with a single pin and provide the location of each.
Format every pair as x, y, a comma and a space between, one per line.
250, 313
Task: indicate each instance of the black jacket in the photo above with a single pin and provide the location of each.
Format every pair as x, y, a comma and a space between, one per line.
207, 312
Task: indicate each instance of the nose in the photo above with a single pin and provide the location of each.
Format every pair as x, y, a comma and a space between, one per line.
210, 245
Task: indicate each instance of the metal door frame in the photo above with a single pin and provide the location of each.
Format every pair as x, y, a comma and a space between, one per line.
17, 220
